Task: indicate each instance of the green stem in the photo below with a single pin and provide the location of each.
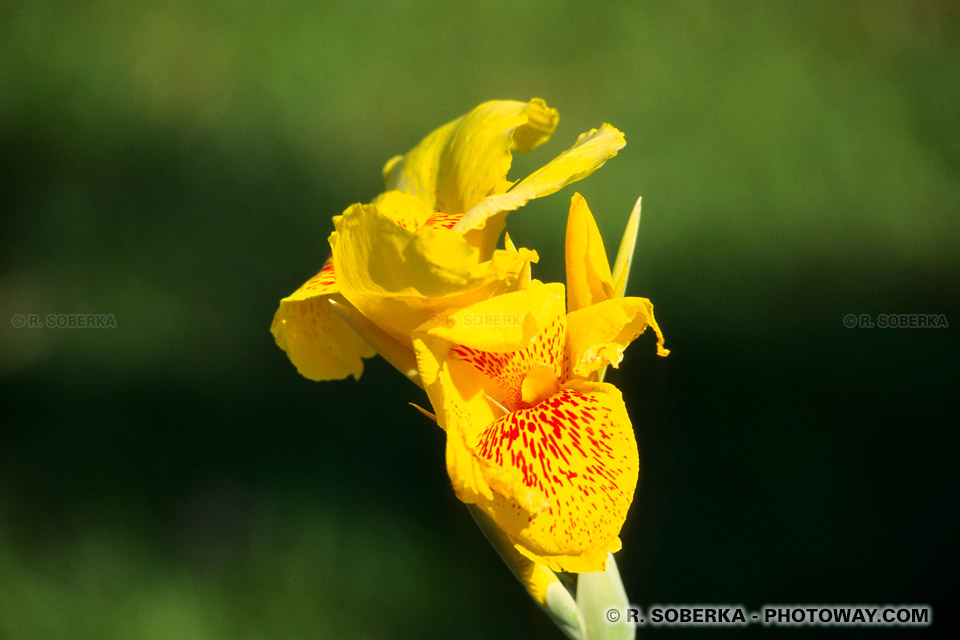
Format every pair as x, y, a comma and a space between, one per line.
598, 593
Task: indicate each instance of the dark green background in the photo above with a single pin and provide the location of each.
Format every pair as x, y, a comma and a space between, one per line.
177, 167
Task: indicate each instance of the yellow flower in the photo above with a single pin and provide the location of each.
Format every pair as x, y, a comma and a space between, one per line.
540, 446
428, 243
545, 453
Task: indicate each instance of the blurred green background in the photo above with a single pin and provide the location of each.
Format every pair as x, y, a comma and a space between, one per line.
177, 164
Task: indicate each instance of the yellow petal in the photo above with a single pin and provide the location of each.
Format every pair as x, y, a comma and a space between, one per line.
472, 363
526, 275
588, 272
462, 407
485, 239
540, 382
504, 323
463, 161
399, 278
598, 334
323, 283
403, 209
576, 450
374, 253
317, 340
399, 355
588, 154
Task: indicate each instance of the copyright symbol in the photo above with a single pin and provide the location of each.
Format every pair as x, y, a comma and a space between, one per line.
849, 321
438, 319
19, 321
613, 615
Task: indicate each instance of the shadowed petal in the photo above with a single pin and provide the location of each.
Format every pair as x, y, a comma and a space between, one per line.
316, 339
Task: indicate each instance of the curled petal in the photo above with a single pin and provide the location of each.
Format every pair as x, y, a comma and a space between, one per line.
399, 278
465, 160
598, 334
591, 150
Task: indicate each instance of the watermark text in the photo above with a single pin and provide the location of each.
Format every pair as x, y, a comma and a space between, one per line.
795, 615
896, 321
479, 320
63, 321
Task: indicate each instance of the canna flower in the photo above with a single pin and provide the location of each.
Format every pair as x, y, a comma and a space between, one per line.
546, 453
428, 243
534, 440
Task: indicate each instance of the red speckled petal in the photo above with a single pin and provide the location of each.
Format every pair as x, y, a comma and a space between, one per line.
316, 339
576, 453
507, 370
324, 283
404, 209
442, 220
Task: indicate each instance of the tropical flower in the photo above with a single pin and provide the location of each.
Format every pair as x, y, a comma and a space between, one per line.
428, 243
547, 454
533, 439
538, 446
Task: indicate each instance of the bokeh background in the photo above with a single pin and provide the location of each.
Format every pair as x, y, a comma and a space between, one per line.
176, 165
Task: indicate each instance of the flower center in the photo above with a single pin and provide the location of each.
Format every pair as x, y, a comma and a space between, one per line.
539, 384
